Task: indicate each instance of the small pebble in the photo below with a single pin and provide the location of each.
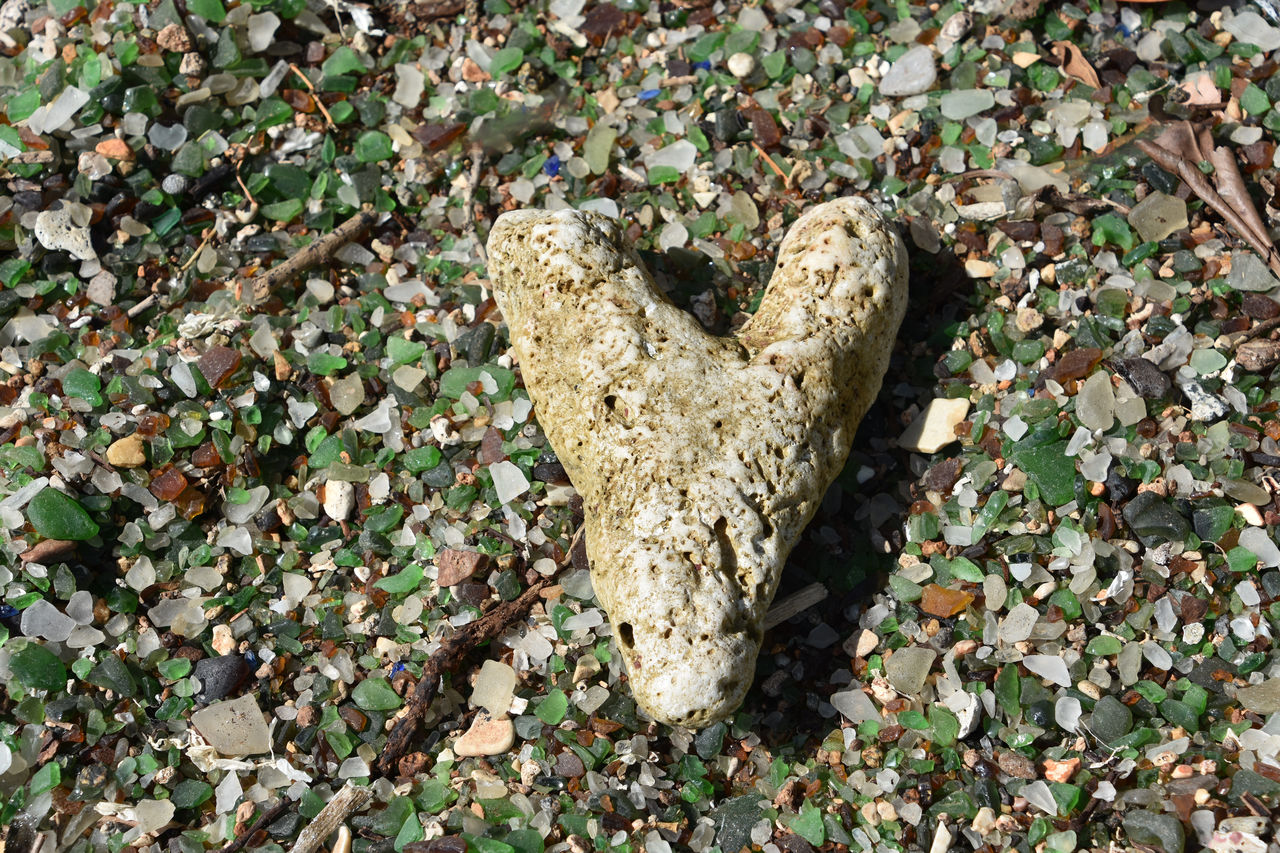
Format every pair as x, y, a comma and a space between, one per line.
151, 815
1017, 626
1096, 402
339, 499
347, 394
1158, 215
741, 65
959, 104
908, 668
934, 428
127, 452
1050, 667
219, 676
495, 687
486, 737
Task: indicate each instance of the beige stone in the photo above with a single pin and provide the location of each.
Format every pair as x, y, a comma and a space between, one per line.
127, 452
935, 427
486, 736
699, 459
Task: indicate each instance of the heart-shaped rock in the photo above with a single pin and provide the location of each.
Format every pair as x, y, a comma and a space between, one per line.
699, 459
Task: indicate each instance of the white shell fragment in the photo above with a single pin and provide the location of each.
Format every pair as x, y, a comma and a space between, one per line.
699, 459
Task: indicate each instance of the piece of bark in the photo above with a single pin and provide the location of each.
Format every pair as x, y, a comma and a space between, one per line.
49, 551
345, 803
794, 604
1256, 356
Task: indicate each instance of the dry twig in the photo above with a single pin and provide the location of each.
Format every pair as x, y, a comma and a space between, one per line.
468, 200
345, 803
234, 845
315, 96
794, 604
449, 658
141, 306
319, 252
772, 165
206, 237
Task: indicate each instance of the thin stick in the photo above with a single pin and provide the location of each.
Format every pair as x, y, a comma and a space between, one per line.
1263, 328
768, 159
319, 103
319, 252
207, 235
468, 199
234, 845
448, 658
794, 604
141, 306
335, 813
243, 188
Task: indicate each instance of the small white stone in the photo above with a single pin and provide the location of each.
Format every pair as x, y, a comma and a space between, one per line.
1067, 711
339, 499
1017, 626
913, 73
153, 814
1255, 539
741, 65
228, 793
101, 289
934, 428
856, 706
354, 767
1050, 667
80, 606
43, 619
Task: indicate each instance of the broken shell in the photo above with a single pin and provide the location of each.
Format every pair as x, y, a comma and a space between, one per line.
699, 459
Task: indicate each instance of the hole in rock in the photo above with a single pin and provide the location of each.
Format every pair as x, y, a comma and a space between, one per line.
625, 635
727, 554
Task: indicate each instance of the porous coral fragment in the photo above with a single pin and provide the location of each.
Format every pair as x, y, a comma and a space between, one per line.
699, 458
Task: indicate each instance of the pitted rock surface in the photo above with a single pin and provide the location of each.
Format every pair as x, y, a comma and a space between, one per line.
699, 458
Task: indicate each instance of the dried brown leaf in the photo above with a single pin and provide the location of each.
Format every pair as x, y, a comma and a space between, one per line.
1075, 65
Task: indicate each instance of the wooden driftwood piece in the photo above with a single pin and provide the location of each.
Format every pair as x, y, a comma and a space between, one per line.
345, 803
319, 252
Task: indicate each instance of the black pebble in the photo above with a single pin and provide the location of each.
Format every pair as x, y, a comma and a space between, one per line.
220, 676
1145, 378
